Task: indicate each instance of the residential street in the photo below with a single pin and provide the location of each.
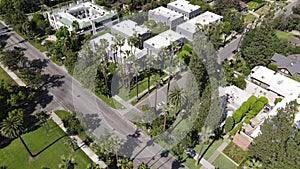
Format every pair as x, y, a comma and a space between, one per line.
98, 116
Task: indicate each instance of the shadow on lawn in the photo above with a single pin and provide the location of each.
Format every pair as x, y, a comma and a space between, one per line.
35, 155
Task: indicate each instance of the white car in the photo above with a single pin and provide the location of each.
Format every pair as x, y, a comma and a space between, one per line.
160, 105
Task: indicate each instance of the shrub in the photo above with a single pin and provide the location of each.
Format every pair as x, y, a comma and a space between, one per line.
277, 100
247, 120
72, 124
263, 99
236, 129
237, 116
257, 106
252, 100
240, 82
244, 108
187, 47
273, 67
229, 123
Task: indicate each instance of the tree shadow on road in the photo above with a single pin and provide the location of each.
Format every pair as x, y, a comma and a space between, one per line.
91, 122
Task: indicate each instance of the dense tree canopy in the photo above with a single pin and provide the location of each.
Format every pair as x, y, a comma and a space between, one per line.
278, 145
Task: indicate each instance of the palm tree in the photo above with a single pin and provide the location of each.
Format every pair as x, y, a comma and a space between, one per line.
42, 117
120, 41
176, 97
157, 81
125, 163
166, 110
67, 163
75, 26
204, 136
171, 70
71, 142
114, 49
103, 69
12, 127
136, 71
92, 166
253, 164
150, 59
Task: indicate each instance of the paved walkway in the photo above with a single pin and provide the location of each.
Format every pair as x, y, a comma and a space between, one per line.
79, 142
205, 163
219, 150
13, 75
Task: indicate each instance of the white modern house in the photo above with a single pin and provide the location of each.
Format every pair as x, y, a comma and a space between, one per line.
88, 15
188, 28
283, 86
162, 40
185, 8
128, 28
166, 16
115, 54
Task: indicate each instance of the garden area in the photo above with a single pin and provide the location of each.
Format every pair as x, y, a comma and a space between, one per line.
255, 4
263, 10
222, 162
249, 18
283, 35
235, 153
248, 110
48, 147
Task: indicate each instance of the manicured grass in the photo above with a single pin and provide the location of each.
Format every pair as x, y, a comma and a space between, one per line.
254, 5
249, 18
34, 43
190, 163
283, 35
111, 102
5, 77
211, 149
235, 153
223, 162
263, 10
15, 155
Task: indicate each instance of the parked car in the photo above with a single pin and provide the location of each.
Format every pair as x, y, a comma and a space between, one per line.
190, 152
160, 105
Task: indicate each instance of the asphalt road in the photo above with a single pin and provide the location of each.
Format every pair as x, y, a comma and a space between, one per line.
98, 116
288, 9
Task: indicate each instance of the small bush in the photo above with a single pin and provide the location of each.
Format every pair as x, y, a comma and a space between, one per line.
240, 82
263, 99
237, 116
277, 100
273, 67
229, 123
236, 129
251, 100
257, 106
187, 47
244, 108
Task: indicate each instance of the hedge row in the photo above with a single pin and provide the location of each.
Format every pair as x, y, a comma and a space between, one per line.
249, 108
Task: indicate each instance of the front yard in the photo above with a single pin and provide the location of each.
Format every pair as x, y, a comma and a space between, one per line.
49, 147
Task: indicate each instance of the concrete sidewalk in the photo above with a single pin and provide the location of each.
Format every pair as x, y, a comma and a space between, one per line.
79, 142
13, 75
205, 164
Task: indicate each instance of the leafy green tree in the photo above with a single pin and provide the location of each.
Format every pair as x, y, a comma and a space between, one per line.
223, 6
143, 166
124, 163
71, 142
229, 124
92, 166
72, 123
67, 162
277, 146
166, 111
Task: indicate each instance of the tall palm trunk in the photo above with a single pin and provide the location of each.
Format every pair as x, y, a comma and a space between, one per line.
148, 81
199, 154
155, 96
168, 88
165, 121
137, 88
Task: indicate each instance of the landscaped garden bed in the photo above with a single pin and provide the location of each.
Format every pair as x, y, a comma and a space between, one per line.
235, 153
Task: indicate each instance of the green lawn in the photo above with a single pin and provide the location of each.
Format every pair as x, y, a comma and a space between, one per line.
223, 162
111, 102
5, 77
211, 149
263, 10
283, 35
190, 163
15, 155
63, 114
252, 5
249, 18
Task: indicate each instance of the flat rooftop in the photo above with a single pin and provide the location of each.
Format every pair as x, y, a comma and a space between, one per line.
184, 5
277, 82
109, 37
71, 13
203, 19
165, 12
130, 27
164, 39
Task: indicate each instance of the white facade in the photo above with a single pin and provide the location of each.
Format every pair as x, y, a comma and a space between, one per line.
166, 16
185, 8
